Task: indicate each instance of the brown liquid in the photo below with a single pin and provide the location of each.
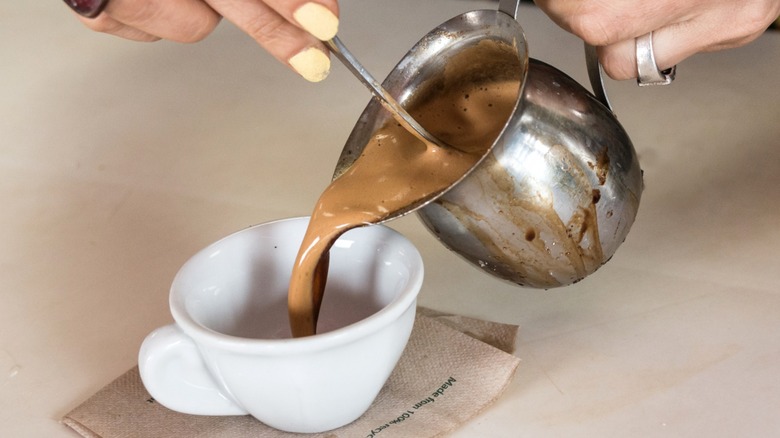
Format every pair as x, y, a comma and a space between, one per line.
396, 170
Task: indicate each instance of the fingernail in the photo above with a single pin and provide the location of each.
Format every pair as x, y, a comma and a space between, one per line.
317, 20
313, 64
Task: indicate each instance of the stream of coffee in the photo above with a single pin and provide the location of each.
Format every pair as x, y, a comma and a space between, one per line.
396, 169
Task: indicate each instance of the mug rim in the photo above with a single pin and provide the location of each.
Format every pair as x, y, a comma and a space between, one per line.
340, 336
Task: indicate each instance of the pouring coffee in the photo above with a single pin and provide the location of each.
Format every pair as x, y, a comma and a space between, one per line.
538, 185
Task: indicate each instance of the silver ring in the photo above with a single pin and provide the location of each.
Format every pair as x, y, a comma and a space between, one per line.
648, 72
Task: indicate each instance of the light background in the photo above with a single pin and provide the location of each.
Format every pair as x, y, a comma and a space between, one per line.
119, 160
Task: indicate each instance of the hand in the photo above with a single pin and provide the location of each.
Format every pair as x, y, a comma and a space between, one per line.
680, 28
290, 30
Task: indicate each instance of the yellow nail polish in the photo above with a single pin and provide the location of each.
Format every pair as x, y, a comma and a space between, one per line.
313, 64
317, 20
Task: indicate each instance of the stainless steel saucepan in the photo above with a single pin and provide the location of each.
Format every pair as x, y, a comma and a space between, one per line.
558, 190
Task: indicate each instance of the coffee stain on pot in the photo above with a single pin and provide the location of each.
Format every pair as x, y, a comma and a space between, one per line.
527, 240
601, 167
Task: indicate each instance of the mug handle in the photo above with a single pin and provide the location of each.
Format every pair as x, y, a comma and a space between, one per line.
173, 372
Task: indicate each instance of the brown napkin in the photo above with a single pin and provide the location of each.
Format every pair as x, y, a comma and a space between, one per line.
452, 368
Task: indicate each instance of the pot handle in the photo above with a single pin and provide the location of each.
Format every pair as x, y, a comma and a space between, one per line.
509, 7
596, 75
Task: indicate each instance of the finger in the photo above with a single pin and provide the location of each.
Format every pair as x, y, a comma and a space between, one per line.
284, 40
318, 18
602, 23
676, 42
175, 20
671, 45
105, 24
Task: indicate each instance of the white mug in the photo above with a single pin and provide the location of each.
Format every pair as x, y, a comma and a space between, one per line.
230, 352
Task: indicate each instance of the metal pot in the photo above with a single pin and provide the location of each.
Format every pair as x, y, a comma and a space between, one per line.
558, 190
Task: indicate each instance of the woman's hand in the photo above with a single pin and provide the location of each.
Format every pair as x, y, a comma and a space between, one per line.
290, 30
680, 28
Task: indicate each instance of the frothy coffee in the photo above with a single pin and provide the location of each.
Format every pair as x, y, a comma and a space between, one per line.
397, 169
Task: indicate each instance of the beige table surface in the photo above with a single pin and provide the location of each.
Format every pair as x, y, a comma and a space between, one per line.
119, 160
